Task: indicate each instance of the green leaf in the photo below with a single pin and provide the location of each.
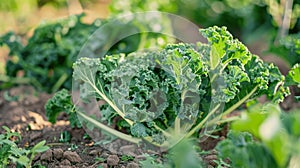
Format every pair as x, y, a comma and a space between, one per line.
288, 49
139, 130
278, 146
255, 116
293, 76
291, 123
215, 57
184, 155
265, 124
61, 102
9, 142
244, 152
40, 147
65, 137
23, 160
150, 162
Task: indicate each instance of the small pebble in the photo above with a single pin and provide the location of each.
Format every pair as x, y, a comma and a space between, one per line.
47, 156
105, 154
94, 152
13, 103
139, 158
72, 157
128, 150
65, 162
113, 160
132, 165
58, 153
31, 100
211, 157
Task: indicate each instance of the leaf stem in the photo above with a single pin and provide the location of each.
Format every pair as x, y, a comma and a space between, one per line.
215, 120
150, 140
163, 131
226, 120
277, 86
177, 126
60, 82
110, 130
197, 127
92, 83
120, 113
235, 106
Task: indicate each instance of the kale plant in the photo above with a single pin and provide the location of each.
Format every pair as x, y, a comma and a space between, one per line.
168, 95
276, 138
244, 152
47, 57
11, 153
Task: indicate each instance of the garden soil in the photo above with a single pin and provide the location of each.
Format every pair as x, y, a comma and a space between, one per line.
22, 110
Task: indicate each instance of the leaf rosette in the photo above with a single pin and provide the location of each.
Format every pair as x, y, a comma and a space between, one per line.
164, 96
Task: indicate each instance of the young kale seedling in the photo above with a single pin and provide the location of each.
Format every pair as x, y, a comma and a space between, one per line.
10, 152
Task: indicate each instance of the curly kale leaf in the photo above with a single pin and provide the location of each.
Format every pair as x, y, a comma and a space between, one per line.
293, 77
182, 63
13, 41
244, 152
223, 48
139, 130
142, 87
241, 70
60, 102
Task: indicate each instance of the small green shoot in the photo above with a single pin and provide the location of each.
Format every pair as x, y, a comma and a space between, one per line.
10, 152
100, 159
86, 136
10, 98
127, 158
65, 137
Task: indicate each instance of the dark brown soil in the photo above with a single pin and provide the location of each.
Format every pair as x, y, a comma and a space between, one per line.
22, 110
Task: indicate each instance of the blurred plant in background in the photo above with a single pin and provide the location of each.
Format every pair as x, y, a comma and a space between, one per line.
23, 16
268, 27
26, 14
242, 17
288, 49
45, 59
